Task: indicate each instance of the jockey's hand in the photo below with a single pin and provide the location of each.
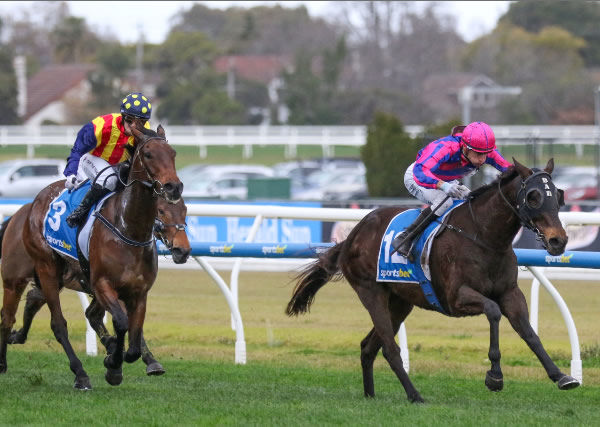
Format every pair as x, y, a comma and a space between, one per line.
71, 182
450, 188
462, 192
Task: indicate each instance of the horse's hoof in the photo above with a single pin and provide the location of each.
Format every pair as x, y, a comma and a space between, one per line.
493, 384
114, 376
567, 383
155, 368
15, 338
82, 384
3, 368
416, 399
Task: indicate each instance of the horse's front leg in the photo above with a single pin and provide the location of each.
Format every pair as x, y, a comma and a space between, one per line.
108, 297
514, 307
471, 302
95, 315
137, 314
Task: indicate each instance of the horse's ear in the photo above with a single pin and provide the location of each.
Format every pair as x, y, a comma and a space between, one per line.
550, 166
160, 131
136, 133
524, 171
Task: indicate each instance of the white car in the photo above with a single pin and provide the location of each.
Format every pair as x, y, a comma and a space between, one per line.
25, 178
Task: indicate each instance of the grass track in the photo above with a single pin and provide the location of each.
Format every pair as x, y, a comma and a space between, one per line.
302, 370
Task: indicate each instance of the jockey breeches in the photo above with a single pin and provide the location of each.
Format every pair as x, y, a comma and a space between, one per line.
430, 196
90, 166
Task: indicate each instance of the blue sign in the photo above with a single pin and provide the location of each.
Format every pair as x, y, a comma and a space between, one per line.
236, 229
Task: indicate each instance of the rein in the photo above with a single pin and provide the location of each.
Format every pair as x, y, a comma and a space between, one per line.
120, 235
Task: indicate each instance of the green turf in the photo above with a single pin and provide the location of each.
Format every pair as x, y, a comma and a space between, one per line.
303, 370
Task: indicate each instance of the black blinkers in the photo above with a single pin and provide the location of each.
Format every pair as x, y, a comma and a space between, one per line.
538, 194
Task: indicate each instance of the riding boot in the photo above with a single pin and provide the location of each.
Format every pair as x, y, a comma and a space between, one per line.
92, 197
404, 241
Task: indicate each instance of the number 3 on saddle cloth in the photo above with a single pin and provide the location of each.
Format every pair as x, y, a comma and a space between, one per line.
58, 234
396, 268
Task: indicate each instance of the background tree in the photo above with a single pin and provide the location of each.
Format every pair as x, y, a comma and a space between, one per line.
389, 150
578, 18
8, 85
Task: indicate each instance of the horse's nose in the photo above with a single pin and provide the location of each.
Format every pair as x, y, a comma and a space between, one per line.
174, 190
180, 255
556, 245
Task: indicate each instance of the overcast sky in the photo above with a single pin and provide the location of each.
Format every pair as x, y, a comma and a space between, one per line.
125, 19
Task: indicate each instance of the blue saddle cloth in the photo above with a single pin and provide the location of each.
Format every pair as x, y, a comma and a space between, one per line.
397, 268
58, 234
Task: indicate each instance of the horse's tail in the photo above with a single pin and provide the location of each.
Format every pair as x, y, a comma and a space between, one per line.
313, 278
2, 230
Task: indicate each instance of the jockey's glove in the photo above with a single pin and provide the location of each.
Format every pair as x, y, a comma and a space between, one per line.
71, 182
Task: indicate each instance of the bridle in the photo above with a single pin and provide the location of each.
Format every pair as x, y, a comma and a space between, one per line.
159, 229
536, 194
156, 186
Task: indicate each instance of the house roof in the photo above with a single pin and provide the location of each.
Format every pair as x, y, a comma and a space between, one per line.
262, 68
51, 83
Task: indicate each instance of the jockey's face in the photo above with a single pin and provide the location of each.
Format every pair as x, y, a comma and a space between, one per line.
129, 122
476, 159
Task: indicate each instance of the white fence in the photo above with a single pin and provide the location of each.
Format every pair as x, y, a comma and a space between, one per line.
292, 136
333, 214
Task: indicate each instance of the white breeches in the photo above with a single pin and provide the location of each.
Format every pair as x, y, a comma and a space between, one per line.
430, 196
90, 166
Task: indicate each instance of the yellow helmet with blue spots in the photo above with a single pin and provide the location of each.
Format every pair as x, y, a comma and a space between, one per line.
136, 104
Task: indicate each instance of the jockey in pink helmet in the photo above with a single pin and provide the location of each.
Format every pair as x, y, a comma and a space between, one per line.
438, 167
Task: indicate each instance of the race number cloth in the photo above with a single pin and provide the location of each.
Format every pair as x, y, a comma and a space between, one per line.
396, 268
57, 233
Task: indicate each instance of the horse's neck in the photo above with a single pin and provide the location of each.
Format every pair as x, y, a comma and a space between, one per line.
496, 220
135, 211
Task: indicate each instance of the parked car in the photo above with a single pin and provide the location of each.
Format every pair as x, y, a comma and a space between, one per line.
24, 178
578, 182
332, 184
298, 171
226, 181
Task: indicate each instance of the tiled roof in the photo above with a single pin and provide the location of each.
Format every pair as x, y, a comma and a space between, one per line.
51, 83
262, 68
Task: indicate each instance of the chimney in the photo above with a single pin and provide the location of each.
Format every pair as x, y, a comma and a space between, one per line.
20, 65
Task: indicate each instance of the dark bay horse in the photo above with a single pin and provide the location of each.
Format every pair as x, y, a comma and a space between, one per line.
17, 272
123, 260
473, 271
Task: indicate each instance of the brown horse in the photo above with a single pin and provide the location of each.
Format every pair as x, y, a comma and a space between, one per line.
18, 271
473, 271
122, 258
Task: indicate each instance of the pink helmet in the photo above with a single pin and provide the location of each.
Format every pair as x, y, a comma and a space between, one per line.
478, 136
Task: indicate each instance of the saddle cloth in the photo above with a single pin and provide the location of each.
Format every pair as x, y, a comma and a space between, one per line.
397, 268
58, 234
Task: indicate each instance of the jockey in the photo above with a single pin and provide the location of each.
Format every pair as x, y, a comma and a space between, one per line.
100, 143
435, 173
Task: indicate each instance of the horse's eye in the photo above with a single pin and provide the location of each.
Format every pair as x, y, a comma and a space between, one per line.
147, 155
161, 212
534, 199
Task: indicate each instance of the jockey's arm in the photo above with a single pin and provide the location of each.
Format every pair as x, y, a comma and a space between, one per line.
84, 143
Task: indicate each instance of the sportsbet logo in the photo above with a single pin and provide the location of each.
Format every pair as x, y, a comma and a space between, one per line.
58, 242
395, 273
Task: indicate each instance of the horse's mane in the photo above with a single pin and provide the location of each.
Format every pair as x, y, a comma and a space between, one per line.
504, 177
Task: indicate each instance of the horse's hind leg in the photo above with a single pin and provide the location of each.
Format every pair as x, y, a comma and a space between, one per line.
35, 301
514, 307
370, 345
375, 298
13, 289
47, 275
